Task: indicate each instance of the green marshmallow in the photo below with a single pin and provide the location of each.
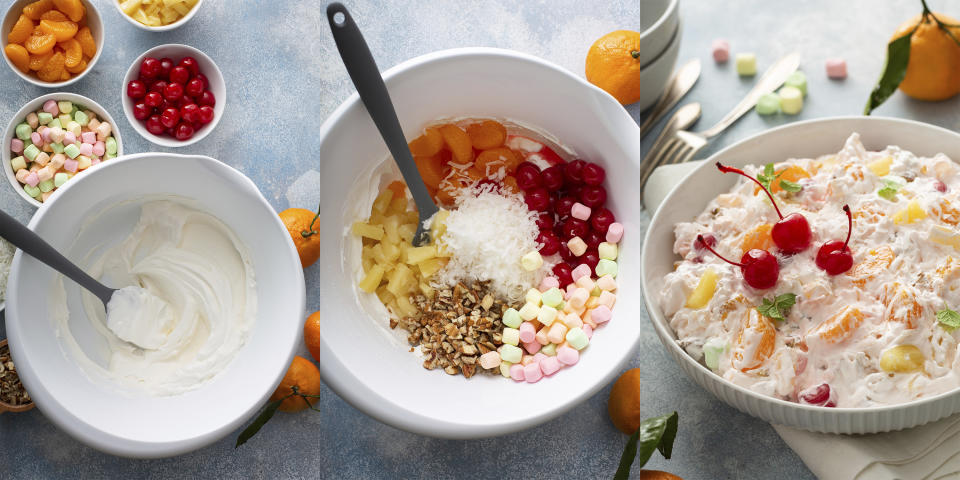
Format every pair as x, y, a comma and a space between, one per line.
72, 151
18, 163
55, 123
31, 152
797, 80
59, 179
111, 145
606, 267
711, 353
65, 106
550, 350
552, 297
46, 185
32, 191
511, 318
768, 104
24, 131
577, 338
44, 118
81, 118
110, 155
56, 147
510, 353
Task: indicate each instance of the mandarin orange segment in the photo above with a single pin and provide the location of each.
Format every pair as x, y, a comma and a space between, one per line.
491, 161
79, 68
54, 15
18, 56
458, 142
53, 70
487, 134
755, 342
398, 189
428, 144
40, 44
840, 326
72, 51
878, 261
948, 214
793, 173
511, 183
36, 9
900, 305
62, 31
758, 238
87, 43
38, 61
432, 170
21, 30
73, 9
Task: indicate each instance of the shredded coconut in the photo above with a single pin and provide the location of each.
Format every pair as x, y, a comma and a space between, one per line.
6, 256
486, 235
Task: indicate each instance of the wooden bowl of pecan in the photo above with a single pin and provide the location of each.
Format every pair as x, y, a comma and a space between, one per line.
13, 397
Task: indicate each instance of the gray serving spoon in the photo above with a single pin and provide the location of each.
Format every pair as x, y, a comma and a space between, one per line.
366, 77
35, 246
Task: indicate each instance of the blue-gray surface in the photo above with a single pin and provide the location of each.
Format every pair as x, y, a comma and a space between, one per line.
284, 78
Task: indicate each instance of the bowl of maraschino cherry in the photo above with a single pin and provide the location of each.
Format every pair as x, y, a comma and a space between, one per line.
173, 95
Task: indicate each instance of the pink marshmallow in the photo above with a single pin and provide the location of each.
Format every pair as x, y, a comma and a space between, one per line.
837, 68
94, 161
527, 332
546, 284
46, 134
99, 148
71, 165
33, 179
532, 373
69, 138
16, 145
580, 211
89, 137
614, 232
581, 270
538, 357
37, 139
721, 50
516, 372
549, 365
86, 149
568, 355
532, 347
588, 330
601, 314
50, 107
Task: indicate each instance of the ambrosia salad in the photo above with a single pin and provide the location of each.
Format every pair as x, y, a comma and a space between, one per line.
879, 330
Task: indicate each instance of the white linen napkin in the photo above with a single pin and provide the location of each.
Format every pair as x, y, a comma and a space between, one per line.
930, 451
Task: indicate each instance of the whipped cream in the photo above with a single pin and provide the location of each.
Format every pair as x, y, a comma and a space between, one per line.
905, 270
186, 306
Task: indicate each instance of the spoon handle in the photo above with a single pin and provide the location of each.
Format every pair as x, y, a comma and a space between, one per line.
373, 93
35, 246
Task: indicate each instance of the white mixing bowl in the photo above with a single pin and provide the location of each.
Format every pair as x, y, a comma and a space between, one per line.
690, 196
139, 425
369, 365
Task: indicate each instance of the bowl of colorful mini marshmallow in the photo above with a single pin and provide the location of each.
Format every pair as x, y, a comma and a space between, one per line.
54, 138
173, 95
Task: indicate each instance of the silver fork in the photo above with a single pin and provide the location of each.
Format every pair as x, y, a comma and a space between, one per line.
683, 145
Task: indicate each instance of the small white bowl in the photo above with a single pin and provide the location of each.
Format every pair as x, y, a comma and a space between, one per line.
130, 423
659, 21
186, 18
96, 28
654, 77
175, 51
689, 197
37, 104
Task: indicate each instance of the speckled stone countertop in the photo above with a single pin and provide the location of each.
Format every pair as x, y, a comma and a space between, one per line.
284, 77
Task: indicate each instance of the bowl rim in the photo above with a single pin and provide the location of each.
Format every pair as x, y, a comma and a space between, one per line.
75, 78
163, 28
134, 448
354, 393
127, 103
6, 155
671, 45
666, 334
655, 26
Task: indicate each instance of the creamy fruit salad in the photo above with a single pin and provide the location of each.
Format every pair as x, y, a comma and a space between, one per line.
826, 306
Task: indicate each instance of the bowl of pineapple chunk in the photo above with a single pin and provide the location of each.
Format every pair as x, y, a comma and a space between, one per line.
158, 15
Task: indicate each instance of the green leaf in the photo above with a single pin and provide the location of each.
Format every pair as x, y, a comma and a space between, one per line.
779, 308
259, 422
889, 190
767, 176
898, 56
789, 186
656, 433
948, 318
768, 170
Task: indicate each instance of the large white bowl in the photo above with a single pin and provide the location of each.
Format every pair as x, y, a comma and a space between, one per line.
138, 425
689, 198
659, 20
369, 365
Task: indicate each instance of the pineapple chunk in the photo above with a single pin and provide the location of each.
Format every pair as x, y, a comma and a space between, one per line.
382, 202
372, 280
704, 291
902, 359
944, 236
911, 214
390, 226
130, 6
407, 231
420, 254
881, 167
400, 280
168, 15
362, 229
426, 289
391, 251
432, 266
439, 226
406, 308
397, 206
385, 296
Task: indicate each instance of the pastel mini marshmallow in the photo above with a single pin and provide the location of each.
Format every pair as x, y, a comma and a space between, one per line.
532, 373
50, 107
720, 49
601, 314
607, 283
579, 297
526, 360
580, 270
614, 232
86, 149
572, 320
45, 173
88, 137
746, 64
99, 148
552, 297
490, 360
577, 246
511, 336
528, 332
531, 261
577, 338
586, 282
529, 311
580, 211
567, 355
607, 298
549, 365
71, 165
36, 138
32, 179
546, 284
541, 336
791, 100
58, 161
532, 347
42, 159
33, 120
18, 163
836, 68
588, 331
22, 175
510, 353
516, 372
103, 131
549, 349
547, 315
69, 138
16, 146
557, 332
533, 296
92, 125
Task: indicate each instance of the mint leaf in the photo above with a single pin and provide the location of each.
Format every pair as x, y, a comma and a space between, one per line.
767, 176
656, 433
898, 56
767, 310
889, 190
948, 318
789, 186
779, 308
768, 170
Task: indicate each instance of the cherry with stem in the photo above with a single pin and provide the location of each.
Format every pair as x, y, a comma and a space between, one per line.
835, 256
759, 267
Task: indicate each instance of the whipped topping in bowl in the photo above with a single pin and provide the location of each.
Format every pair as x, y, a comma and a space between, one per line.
878, 334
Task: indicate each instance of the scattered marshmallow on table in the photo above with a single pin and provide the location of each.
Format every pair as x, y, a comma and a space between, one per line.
836, 68
768, 104
746, 64
791, 100
720, 50
797, 80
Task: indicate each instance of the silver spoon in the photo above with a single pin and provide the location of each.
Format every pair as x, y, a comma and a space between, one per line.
35, 246
366, 77
679, 85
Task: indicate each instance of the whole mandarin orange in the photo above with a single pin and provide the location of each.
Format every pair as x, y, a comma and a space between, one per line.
623, 406
304, 375
301, 224
657, 475
613, 66
933, 72
311, 335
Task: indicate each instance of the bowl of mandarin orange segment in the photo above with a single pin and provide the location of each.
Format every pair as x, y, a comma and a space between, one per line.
52, 43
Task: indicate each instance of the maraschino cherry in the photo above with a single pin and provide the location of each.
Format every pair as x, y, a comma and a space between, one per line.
759, 267
792, 233
835, 257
